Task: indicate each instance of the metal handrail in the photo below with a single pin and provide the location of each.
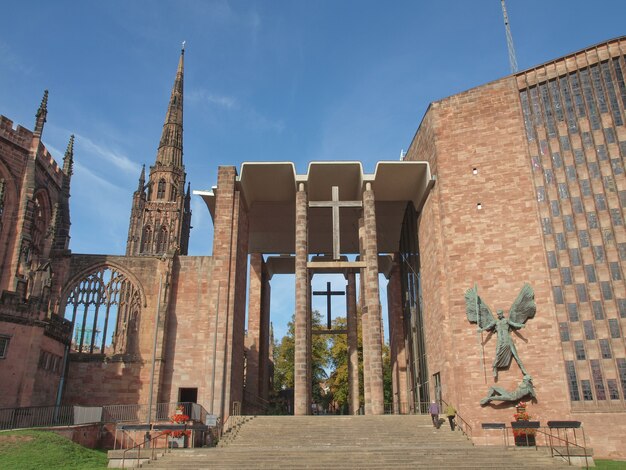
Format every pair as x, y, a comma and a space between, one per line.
466, 428
152, 447
553, 449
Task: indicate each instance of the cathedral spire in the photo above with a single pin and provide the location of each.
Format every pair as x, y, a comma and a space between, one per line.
42, 113
68, 160
142, 179
170, 151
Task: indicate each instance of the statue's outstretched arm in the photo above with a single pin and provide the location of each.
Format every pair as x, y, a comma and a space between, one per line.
516, 325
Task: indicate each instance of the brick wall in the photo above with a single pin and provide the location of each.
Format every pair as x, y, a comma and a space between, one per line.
499, 247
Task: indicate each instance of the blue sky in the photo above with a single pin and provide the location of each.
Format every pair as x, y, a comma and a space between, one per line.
275, 80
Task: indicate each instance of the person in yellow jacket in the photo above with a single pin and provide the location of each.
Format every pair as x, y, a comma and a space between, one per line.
451, 414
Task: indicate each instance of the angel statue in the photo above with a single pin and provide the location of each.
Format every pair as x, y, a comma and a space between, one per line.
522, 309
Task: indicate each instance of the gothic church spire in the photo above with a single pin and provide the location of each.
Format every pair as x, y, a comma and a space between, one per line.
68, 159
170, 151
42, 114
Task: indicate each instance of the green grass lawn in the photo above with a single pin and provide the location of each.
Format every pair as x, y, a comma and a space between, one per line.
40, 450
609, 464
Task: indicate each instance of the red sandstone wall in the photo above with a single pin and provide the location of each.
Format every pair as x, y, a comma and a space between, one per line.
23, 382
499, 247
190, 331
113, 382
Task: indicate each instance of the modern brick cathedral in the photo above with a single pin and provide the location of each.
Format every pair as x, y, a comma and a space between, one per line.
518, 181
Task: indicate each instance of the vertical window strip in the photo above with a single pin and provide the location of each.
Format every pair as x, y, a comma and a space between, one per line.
528, 123
545, 99
608, 84
605, 349
572, 381
586, 388
613, 391
597, 87
598, 381
536, 107
620, 79
589, 99
572, 123
621, 367
556, 100
578, 96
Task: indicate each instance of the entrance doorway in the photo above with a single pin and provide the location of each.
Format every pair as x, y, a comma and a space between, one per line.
188, 395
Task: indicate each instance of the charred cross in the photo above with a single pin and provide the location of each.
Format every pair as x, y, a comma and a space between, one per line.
335, 204
328, 293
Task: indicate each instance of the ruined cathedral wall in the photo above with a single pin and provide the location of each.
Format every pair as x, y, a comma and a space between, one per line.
190, 331
31, 370
498, 247
119, 378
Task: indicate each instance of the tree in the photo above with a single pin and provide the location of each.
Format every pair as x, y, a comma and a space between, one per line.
284, 358
338, 379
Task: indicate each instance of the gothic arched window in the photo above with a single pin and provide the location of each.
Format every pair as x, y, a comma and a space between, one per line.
146, 239
103, 308
161, 189
161, 240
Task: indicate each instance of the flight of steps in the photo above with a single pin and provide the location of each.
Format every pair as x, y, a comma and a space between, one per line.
349, 442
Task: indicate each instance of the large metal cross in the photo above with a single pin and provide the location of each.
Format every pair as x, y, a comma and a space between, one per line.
328, 293
335, 204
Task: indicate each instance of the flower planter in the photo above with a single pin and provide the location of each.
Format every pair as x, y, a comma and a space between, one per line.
525, 440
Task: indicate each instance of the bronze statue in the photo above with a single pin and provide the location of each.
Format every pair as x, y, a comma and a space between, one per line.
499, 394
522, 309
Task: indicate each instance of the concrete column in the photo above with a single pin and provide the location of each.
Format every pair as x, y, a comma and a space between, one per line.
372, 299
302, 405
396, 340
353, 353
365, 331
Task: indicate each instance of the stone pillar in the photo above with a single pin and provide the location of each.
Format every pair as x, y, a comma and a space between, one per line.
353, 353
302, 358
230, 253
255, 307
264, 339
365, 331
396, 340
372, 299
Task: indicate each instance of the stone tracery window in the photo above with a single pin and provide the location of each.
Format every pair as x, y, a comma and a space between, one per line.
161, 240
161, 189
146, 239
104, 309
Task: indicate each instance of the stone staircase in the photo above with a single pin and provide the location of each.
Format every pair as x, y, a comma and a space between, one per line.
349, 442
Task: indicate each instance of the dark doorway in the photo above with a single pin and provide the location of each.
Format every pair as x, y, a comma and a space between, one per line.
188, 395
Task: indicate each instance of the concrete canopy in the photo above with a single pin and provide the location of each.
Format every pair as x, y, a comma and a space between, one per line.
269, 191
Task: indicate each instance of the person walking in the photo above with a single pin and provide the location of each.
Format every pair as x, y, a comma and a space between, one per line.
433, 409
451, 414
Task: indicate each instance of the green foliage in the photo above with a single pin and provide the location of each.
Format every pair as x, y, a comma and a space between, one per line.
338, 380
329, 351
284, 355
43, 450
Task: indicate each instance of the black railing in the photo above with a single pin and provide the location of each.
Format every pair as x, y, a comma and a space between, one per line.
71, 415
559, 436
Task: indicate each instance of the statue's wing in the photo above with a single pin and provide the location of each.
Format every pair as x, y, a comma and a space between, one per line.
477, 311
524, 306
